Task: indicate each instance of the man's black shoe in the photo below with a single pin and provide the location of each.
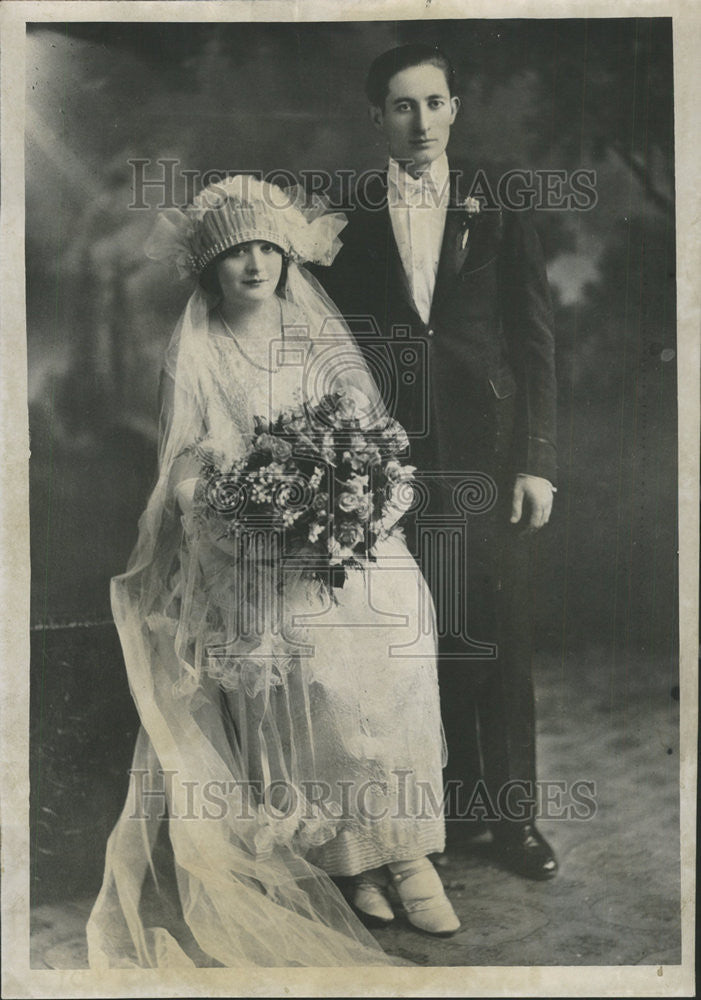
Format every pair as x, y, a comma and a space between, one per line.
525, 851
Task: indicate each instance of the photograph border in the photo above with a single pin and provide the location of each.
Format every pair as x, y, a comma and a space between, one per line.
18, 979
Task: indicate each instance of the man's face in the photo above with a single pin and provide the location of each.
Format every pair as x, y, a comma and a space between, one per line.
417, 116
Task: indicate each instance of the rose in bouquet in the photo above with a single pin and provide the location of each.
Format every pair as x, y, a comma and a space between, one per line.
329, 487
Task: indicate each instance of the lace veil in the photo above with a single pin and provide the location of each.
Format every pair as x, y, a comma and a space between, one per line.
234, 866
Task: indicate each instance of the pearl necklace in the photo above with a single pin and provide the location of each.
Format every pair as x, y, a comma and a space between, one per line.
262, 368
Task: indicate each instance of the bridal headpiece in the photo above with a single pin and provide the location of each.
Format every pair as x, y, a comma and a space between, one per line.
243, 208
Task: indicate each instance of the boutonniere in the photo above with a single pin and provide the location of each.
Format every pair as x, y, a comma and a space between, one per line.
471, 208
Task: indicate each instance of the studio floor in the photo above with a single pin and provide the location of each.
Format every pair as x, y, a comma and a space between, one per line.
616, 899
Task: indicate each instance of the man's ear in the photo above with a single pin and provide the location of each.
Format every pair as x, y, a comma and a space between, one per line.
455, 105
376, 116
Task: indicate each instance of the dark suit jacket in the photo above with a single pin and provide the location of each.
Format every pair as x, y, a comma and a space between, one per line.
475, 386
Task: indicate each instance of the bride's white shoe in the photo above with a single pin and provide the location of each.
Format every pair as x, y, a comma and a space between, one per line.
370, 900
421, 892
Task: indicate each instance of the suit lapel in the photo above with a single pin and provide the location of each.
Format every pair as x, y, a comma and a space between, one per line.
455, 246
387, 252
400, 275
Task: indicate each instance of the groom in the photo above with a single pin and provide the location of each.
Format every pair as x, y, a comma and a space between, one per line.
464, 289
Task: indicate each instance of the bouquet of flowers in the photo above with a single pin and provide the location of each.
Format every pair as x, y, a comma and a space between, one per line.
330, 488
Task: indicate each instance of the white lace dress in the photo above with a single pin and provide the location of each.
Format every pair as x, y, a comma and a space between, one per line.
357, 735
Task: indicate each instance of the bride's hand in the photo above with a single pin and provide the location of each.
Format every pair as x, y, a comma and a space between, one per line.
184, 475
185, 494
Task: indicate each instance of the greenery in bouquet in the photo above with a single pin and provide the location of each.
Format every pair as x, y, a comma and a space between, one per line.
329, 487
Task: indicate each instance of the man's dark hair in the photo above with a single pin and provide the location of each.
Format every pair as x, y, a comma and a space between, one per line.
385, 66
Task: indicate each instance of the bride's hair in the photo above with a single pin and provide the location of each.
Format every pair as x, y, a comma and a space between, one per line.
209, 279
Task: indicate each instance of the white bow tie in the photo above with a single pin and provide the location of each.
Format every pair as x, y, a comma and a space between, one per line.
418, 190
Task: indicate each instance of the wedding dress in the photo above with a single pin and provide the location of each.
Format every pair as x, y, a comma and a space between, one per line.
307, 746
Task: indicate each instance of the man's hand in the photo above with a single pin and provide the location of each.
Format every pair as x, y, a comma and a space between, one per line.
538, 496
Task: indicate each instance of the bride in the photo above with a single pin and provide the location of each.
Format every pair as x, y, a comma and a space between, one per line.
290, 731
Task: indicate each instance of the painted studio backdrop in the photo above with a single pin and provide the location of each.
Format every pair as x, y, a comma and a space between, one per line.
536, 95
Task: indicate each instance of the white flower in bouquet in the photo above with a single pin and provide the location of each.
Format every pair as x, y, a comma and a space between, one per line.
350, 503
315, 531
396, 472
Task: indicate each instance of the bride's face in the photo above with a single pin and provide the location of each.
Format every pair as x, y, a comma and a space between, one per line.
249, 272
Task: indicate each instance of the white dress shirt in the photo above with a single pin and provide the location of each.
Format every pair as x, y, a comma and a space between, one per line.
417, 209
